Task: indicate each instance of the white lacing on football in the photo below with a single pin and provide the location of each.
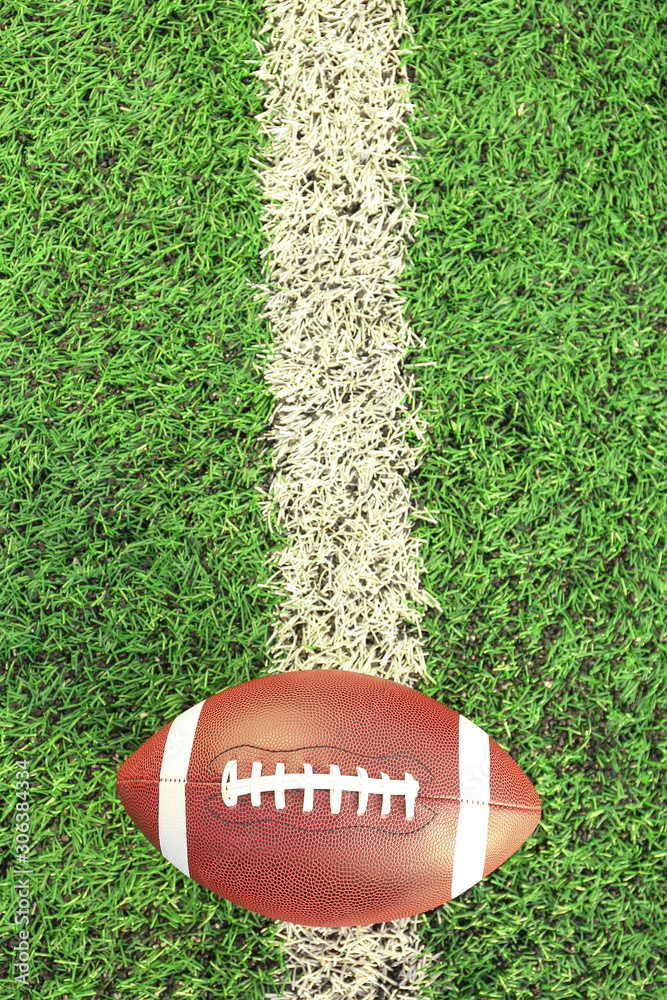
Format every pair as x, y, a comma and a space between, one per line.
334, 782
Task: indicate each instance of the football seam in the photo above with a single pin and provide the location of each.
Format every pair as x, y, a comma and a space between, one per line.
423, 799
482, 802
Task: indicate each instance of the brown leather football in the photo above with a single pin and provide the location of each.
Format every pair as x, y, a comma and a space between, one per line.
329, 798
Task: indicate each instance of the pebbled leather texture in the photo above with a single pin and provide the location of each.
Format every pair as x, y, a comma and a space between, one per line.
318, 868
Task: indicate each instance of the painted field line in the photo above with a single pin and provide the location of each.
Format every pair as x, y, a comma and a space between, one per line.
336, 222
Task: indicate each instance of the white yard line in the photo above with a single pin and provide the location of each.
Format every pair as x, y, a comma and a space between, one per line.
336, 224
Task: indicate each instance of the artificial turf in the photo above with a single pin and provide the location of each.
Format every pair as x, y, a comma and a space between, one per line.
132, 408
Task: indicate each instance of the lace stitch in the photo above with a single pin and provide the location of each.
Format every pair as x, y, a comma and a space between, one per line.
334, 782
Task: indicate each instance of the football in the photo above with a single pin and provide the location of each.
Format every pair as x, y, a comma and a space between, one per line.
329, 798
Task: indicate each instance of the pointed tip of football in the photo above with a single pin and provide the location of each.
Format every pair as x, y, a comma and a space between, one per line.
509, 783
138, 784
515, 809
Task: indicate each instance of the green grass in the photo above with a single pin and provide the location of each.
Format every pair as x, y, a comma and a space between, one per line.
539, 285
132, 401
